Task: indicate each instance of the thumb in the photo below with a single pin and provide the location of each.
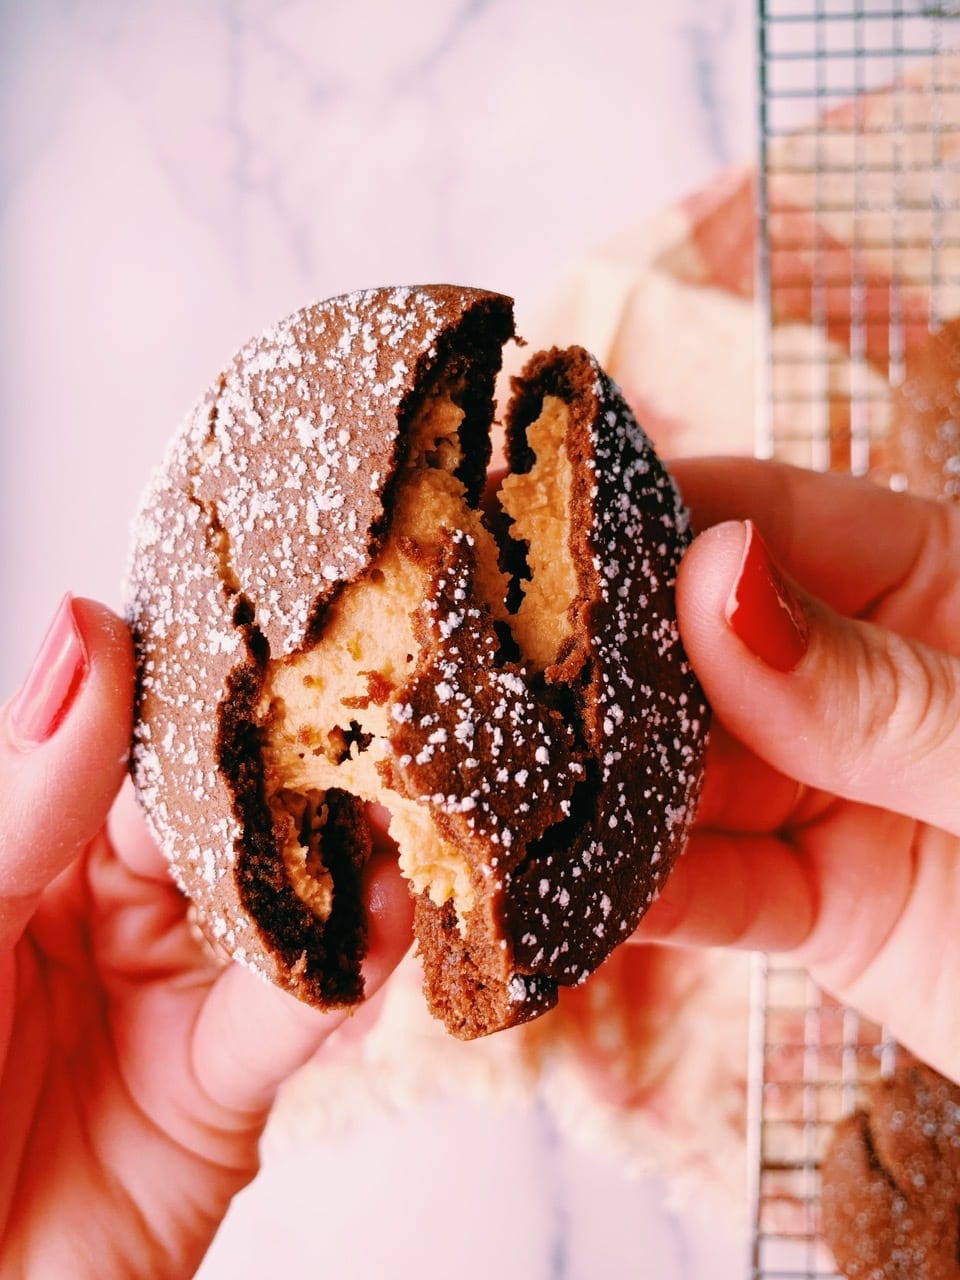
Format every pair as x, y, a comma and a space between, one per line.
64, 739
839, 704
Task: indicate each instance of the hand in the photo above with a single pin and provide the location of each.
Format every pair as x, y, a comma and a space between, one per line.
830, 820
136, 1073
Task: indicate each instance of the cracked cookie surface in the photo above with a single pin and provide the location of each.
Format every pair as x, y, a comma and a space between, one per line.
891, 1181
325, 619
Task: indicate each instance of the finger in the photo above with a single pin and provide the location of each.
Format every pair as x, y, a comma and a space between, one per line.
754, 892
250, 1036
838, 704
64, 740
743, 793
864, 550
861, 856
907, 940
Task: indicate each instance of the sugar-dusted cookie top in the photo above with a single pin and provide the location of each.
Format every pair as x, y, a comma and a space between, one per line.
329, 616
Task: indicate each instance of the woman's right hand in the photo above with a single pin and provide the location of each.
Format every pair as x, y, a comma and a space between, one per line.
830, 820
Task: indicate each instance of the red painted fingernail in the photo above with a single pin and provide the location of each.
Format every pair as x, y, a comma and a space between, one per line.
55, 678
763, 611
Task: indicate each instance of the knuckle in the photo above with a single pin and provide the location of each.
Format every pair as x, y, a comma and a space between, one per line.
905, 697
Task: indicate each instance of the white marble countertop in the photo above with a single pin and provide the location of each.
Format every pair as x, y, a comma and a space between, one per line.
174, 176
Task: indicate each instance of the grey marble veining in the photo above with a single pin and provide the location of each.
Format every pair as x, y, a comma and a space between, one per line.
173, 175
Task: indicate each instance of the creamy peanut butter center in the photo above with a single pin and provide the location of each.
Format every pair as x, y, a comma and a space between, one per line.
538, 502
325, 713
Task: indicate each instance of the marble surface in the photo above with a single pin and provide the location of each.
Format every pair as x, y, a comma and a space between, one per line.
173, 176
467, 1190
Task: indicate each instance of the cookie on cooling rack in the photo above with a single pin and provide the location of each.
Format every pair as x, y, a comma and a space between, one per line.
924, 440
891, 1181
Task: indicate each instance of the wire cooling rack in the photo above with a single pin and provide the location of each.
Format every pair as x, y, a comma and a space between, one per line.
858, 259
859, 241
810, 1058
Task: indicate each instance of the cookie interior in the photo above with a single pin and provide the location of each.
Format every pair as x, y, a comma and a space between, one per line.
325, 713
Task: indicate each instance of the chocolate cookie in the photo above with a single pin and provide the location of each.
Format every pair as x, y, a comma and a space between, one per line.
327, 615
891, 1181
924, 447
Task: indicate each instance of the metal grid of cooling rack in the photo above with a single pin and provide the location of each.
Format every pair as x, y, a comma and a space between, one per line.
858, 256
852, 137
810, 1058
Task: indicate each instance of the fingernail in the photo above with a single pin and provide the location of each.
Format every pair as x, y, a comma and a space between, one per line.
763, 611
55, 678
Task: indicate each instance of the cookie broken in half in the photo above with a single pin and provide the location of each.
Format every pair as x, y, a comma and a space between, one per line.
333, 620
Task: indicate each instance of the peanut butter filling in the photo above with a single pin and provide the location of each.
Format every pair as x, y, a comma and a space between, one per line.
538, 502
325, 713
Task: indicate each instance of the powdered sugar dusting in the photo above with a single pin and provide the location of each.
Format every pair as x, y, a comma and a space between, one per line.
267, 496
472, 736
187, 645
574, 800
297, 411
646, 725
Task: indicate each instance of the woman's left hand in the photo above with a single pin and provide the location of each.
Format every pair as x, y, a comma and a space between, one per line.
136, 1073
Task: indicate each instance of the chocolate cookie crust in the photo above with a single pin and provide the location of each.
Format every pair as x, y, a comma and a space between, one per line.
891, 1181
324, 618
924, 444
